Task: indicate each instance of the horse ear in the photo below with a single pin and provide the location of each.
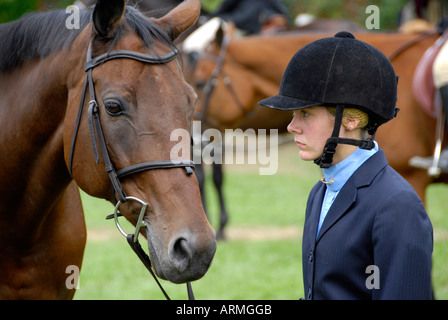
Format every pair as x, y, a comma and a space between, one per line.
107, 15
181, 18
219, 37
226, 28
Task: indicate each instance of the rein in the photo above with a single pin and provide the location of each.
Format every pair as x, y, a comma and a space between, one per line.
410, 43
97, 139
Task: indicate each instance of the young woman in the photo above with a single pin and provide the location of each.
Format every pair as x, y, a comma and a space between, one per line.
366, 234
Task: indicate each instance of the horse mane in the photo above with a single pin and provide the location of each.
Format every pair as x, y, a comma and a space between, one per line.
37, 35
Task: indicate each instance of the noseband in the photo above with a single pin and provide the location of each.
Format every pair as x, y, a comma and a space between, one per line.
96, 132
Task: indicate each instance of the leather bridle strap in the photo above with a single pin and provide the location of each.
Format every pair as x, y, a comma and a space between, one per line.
131, 55
96, 132
186, 164
97, 139
132, 240
213, 81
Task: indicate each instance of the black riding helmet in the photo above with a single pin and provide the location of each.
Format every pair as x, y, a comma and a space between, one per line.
340, 71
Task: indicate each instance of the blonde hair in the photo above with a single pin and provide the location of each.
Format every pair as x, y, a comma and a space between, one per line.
353, 113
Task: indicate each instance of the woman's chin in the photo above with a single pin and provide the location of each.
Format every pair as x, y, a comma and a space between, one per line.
306, 156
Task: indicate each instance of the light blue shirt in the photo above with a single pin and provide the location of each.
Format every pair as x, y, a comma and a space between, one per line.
340, 173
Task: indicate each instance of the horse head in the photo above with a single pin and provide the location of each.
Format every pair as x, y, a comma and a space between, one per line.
225, 88
138, 96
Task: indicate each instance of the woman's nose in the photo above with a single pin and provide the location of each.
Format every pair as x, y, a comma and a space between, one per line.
294, 126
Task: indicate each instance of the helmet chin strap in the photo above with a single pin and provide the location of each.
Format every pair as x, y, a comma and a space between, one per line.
326, 159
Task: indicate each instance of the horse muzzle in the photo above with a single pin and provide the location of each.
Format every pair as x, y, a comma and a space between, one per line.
187, 258
187, 255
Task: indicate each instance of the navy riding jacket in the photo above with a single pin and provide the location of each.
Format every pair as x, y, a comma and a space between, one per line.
376, 241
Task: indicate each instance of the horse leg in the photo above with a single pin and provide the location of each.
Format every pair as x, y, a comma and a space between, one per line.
218, 180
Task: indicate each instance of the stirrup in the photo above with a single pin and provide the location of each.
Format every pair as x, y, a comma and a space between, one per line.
435, 171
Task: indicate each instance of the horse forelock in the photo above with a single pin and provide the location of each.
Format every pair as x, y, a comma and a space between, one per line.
37, 35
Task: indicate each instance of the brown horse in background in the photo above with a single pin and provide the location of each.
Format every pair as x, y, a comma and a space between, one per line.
253, 67
139, 103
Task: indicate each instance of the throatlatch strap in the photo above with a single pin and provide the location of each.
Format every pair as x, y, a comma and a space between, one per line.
77, 123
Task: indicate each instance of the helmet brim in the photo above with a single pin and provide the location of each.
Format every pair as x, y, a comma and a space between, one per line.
280, 102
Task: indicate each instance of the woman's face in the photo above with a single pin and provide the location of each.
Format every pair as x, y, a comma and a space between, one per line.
311, 128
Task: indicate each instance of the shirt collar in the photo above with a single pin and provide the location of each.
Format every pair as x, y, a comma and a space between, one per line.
342, 171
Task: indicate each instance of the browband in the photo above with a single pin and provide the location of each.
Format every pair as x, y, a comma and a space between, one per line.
92, 63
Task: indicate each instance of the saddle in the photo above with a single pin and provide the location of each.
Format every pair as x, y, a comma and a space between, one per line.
423, 81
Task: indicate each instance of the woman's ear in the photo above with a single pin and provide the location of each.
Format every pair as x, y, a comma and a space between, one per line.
350, 123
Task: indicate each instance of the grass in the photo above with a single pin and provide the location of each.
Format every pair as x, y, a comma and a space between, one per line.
244, 267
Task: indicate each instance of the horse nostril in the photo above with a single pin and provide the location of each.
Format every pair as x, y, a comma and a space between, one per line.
180, 254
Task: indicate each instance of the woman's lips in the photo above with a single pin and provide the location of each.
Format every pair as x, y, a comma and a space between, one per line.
300, 144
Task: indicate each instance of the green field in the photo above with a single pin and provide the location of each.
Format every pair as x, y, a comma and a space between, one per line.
261, 258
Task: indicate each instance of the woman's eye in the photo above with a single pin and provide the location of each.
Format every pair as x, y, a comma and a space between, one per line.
303, 113
113, 108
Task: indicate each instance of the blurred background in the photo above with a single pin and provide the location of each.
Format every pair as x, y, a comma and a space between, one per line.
353, 10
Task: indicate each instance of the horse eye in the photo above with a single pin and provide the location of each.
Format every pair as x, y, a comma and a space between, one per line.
113, 108
200, 84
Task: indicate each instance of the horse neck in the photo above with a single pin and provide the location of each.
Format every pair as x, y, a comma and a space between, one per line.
33, 100
254, 62
266, 56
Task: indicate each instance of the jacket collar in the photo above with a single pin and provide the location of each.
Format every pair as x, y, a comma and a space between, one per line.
349, 192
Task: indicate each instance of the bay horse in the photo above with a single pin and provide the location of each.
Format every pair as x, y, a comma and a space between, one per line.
252, 68
54, 140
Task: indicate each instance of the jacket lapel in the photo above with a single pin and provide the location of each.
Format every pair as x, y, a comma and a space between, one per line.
342, 203
347, 196
315, 213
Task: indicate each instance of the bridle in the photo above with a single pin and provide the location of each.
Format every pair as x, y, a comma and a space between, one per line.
96, 132
211, 83
95, 124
